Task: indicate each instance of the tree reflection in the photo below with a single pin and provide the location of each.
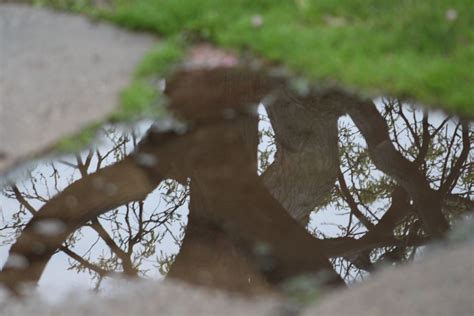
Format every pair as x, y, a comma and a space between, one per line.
390, 176
122, 238
378, 207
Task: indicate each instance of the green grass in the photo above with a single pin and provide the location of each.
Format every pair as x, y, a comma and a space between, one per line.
404, 48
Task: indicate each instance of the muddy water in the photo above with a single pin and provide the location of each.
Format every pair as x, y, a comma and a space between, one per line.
259, 181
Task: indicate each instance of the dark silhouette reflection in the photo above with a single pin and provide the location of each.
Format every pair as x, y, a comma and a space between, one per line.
401, 178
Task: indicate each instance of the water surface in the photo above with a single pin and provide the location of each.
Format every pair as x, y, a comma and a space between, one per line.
258, 181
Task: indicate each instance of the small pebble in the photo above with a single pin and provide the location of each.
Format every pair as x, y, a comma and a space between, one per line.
451, 15
257, 20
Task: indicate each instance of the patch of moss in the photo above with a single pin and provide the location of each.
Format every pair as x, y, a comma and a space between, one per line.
143, 96
303, 290
136, 99
160, 60
79, 140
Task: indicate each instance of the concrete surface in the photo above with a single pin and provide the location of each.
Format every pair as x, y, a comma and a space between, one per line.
58, 72
148, 299
441, 284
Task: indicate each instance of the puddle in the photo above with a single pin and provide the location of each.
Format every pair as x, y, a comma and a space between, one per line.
260, 182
